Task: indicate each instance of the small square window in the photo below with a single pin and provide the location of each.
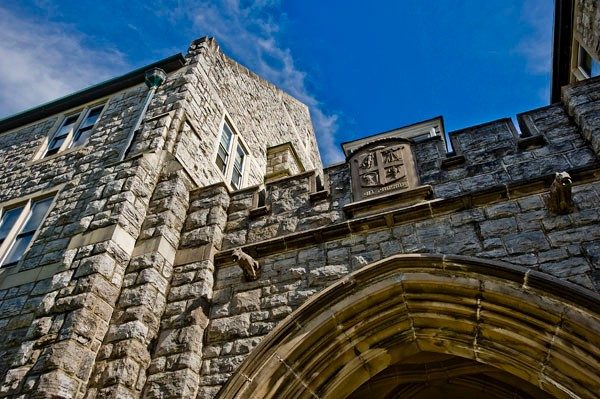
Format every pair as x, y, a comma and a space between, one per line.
231, 156
588, 65
74, 131
18, 225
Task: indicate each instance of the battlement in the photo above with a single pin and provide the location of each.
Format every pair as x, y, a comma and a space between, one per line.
490, 156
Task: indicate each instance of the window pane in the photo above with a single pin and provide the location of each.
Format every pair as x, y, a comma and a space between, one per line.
223, 150
55, 144
226, 136
595, 68
18, 248
91, 117
66, 126
36, 215
236, 178
239, 157
585, 61
8, 220
221, 163
85, 130
81, 137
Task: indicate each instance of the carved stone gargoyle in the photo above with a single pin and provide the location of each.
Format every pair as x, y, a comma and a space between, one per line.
560, 200
247, 263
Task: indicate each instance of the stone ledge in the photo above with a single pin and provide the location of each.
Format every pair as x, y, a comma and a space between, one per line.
14, 278
425, 210
377, 204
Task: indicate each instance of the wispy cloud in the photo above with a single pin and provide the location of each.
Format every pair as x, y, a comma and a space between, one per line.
251, 30
536, 47
40, 61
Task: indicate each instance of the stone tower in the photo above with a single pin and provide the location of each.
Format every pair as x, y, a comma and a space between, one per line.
172, 234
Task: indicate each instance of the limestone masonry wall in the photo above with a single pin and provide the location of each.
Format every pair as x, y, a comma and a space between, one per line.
129, 289
80, 314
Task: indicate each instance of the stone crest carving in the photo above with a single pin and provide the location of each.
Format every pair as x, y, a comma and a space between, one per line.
381, 168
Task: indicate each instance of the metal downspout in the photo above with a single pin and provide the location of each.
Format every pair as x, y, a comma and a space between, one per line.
153, 79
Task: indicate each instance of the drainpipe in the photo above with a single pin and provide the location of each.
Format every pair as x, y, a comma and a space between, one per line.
153, 79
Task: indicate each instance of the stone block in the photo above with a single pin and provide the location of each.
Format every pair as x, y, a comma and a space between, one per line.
246, 301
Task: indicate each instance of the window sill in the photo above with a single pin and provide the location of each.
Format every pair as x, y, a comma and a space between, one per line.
59, 154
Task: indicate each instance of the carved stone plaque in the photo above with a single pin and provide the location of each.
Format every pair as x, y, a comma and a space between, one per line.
381, 168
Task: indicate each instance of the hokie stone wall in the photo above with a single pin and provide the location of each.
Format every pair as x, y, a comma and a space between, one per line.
129, 289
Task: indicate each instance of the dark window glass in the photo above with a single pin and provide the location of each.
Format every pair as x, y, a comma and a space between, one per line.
61, 134
18, 249
85, 130
238, 167
36, 215
224, 145
55, 145
34, 220
585, 61
8, 220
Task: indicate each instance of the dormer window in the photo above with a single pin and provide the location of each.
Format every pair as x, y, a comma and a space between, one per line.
74, 131
231, 156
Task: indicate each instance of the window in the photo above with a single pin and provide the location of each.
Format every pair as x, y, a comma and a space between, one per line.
18, 226
74, 130
589, 66
231, 156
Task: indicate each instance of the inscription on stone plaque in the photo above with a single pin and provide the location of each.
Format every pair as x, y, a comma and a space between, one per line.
382, 167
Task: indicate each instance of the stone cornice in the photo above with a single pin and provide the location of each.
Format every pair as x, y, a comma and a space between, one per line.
422, 211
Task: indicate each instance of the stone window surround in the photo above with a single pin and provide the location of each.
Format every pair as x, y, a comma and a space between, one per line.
235, 141
576, 59
27, 201
66, 145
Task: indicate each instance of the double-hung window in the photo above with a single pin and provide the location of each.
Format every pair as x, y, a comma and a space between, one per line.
18, 226
231, 156
74, 131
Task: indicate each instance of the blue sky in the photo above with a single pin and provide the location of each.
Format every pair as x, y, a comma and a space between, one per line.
362, 66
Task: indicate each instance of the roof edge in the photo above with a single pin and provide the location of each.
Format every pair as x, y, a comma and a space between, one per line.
86, 95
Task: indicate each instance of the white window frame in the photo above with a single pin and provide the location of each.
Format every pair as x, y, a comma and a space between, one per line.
20, 222
231, 152
69, 138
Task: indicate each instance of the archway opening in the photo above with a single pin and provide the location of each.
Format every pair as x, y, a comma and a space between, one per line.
428, 375
426, 326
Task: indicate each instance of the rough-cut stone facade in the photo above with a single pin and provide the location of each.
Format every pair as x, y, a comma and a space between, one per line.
130, 290
587, 25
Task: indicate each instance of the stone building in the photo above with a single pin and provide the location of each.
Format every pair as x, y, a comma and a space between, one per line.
172, 234
576, 43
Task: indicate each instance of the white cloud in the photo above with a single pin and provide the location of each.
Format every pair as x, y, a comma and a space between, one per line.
537, 46
250, 30
41, 61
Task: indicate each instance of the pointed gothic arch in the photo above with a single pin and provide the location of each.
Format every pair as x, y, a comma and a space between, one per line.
538, 334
